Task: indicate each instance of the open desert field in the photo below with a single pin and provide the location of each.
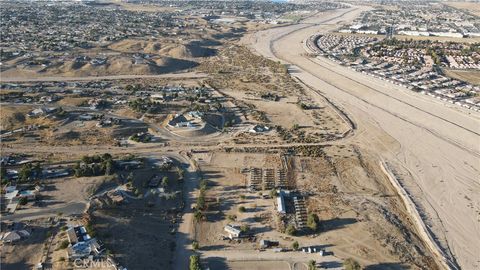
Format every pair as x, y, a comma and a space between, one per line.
472, 76
471, 6
347, 190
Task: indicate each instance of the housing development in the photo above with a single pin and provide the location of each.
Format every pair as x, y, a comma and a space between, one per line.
239, 135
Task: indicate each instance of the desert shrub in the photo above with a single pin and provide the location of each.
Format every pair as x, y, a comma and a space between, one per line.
291, 230
195, 262
351, 264
64, 244
198, 216
313, 221
244, 228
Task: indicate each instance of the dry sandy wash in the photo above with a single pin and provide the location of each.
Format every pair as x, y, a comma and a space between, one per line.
434, 147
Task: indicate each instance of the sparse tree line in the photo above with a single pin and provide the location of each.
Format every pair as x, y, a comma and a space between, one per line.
95, 165
202, 205
144, 138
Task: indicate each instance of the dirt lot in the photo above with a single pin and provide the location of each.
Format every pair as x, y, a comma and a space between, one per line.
357, 199
265, 93
140, 232
360, 215
58, 193
26, 253
12, 117
472, 7
471, 76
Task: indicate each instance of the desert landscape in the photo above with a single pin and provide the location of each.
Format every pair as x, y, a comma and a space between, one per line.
239, 135
321, 72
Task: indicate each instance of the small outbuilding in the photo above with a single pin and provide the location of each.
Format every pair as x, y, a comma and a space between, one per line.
233, 232
11, 237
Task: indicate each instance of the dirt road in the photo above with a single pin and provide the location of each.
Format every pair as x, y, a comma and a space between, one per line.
185, 229
435, 147
67, 209
264, 258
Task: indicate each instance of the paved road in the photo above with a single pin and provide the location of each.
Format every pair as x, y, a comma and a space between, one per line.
185, 75
71, 208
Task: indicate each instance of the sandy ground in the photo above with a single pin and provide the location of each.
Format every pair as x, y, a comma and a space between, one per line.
347, 190
59, 197
471, 76
472, 7
25, 254
435, 147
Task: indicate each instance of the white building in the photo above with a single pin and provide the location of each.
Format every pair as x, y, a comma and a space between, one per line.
232, 231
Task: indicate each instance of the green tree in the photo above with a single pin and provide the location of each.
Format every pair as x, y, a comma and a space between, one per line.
195, 262
23, 201
242, 209
291, 230
64, 244
164, 181
198, 216
244, 228
77, 169
203, 185
295, 245
38, 170
201, 204
312, 221
351, 264
180, 173
108, 167
3, 172
312, 265
90, 230
106, 157
195, 245
25, 172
